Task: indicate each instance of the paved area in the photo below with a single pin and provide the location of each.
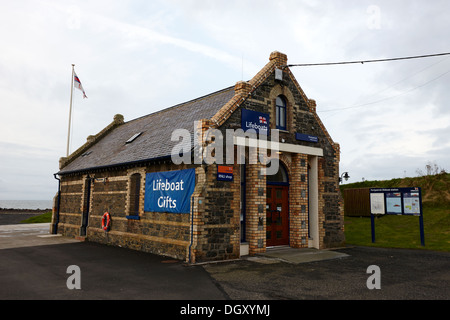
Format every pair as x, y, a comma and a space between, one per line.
341, 275
34, 264
29, 235
291, 255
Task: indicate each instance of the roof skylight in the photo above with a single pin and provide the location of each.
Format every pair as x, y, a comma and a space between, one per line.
134, 137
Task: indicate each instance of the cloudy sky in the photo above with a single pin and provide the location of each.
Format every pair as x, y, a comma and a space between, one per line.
135, 57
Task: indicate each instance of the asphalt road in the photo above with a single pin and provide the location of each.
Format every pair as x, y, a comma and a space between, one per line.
403, 275
34, 265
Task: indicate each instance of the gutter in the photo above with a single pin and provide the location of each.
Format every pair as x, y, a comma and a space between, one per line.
109, 166
58, 204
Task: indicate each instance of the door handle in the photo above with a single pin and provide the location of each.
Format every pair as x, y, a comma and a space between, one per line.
276, 211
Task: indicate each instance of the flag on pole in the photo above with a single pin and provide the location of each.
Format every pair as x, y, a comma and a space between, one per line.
77, 84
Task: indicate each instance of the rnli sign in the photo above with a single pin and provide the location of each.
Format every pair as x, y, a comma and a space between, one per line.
257, 121
169, 191
224, 173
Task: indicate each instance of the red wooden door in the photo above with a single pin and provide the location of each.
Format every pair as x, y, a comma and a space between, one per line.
277, 216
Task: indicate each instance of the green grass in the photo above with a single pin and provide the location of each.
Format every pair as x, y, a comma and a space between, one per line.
43, 218
402, 231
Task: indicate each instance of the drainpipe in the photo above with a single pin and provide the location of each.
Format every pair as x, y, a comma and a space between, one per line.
58, 202
192, 227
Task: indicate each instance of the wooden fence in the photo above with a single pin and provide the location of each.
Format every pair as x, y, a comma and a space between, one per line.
357, 202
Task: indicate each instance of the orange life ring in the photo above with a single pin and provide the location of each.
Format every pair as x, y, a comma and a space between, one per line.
106, 221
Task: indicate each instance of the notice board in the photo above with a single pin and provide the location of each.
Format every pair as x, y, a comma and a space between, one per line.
399, 201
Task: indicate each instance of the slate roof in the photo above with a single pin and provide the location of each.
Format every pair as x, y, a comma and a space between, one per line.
155, 140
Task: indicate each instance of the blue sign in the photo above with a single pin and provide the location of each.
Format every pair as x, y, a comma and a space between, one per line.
169, 191
306, 137
255, 120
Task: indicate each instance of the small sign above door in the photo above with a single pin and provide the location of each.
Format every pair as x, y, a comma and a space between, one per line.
224, 173
306, 137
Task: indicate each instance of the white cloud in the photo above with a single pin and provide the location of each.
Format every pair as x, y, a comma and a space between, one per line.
135, 57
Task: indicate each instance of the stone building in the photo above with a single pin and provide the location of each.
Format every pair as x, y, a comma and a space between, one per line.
201, 210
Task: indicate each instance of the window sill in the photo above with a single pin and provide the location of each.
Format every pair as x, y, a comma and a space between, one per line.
133, 217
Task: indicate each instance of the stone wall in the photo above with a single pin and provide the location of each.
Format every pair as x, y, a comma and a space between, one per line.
161, 233
216, 223
260, 94
217, 226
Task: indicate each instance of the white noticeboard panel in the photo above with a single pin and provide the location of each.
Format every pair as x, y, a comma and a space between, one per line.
411, 203
377, 203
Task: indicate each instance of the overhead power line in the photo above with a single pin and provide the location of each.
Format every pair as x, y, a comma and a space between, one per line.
367, 61
387, 98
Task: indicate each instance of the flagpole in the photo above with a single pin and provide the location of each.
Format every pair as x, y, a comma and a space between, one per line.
70, 112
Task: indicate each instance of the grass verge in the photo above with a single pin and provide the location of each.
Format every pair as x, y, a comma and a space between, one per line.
42, 218
402, 231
